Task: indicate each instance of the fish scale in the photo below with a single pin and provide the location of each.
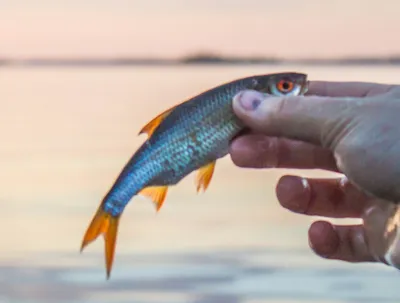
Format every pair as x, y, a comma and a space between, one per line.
190, 136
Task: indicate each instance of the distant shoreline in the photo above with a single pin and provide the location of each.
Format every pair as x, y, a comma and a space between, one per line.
196, 60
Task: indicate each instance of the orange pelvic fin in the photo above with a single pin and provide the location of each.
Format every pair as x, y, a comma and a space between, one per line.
151, 126
103, 223
156, 193
204, 176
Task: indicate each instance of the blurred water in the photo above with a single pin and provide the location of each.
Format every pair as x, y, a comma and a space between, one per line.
66, 134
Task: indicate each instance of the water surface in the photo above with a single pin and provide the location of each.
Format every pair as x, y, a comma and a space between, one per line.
66, 134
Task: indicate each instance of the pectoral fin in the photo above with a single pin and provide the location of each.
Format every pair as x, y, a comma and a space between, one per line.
204, 176
156, 193
151, 126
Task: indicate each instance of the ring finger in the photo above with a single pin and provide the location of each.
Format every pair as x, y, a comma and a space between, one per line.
335, 242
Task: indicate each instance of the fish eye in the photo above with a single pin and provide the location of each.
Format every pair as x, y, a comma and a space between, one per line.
285, 86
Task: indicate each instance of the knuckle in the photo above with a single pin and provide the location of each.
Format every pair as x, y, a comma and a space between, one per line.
274, 113
270, 152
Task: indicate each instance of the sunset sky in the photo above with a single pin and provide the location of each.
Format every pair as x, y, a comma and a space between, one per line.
170, 28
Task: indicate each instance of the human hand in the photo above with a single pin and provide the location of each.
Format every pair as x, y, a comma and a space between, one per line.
332, 132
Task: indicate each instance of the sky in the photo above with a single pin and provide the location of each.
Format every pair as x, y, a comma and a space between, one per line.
171, 28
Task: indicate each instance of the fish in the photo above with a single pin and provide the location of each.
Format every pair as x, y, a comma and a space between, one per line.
190, 136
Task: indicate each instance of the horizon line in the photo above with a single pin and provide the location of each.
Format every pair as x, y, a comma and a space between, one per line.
198, 58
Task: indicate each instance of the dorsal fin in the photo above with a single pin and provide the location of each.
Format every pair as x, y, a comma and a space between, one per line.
151, 126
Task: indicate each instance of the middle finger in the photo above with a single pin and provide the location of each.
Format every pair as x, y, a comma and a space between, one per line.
335, 198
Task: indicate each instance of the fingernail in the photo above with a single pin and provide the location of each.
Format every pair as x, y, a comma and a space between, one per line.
294, 193
249, 100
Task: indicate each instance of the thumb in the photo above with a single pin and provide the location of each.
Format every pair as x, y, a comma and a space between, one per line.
304, 118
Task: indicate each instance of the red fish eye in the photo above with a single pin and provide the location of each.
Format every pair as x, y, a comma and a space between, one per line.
285, 86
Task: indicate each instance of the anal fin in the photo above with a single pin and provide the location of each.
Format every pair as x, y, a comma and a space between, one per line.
204, 176
156, 193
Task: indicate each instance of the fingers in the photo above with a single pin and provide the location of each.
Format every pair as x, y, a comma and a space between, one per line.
346, 243
259, 151
295, 117
335, 198
347, 89
381, 224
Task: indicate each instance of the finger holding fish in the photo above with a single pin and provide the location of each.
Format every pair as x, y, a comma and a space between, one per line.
255, 150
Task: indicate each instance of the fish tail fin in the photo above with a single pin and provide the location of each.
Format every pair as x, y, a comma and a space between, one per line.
106, 224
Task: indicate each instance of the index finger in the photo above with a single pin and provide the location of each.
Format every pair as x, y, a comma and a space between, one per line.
347, 89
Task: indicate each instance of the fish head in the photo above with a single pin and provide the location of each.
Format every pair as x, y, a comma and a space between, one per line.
281, 84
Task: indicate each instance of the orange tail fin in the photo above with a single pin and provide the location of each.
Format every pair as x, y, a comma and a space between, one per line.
103, 223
